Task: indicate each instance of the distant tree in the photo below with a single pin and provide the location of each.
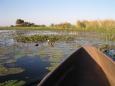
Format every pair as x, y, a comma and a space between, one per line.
19, 22
62, 25
12, 26
32, 24
52, 25
26, 23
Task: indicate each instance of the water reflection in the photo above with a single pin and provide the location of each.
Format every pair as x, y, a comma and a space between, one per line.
37, 61
35, 69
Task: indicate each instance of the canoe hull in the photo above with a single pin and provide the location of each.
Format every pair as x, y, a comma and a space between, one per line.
83, 68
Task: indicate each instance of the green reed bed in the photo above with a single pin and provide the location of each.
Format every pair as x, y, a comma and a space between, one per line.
6, 71
13, 83
43, 38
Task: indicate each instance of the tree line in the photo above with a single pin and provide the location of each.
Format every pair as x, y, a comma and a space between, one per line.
21, 22
85, 24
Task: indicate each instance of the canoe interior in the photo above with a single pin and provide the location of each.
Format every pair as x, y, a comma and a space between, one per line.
80, 69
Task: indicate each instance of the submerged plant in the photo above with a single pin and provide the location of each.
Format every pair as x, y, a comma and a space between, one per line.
13, 83
6, 71
43, 38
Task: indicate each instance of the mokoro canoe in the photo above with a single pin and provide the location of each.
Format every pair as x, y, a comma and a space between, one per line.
86, 67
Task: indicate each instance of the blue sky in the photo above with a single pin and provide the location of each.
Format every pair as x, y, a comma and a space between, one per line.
55, 11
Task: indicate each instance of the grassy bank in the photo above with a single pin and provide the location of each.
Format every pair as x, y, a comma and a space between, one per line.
34, 28
87, 29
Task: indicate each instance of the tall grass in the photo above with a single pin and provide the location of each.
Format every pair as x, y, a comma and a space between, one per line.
107, 27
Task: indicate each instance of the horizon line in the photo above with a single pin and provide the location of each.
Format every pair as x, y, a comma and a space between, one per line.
73, 23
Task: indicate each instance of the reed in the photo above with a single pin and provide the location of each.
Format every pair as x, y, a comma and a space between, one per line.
43, 38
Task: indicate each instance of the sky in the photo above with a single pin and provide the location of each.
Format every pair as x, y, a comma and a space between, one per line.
55, 11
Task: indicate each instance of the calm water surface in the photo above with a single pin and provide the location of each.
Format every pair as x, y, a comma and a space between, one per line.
37, 61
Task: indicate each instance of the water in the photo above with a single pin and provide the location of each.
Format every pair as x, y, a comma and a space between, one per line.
34, 62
